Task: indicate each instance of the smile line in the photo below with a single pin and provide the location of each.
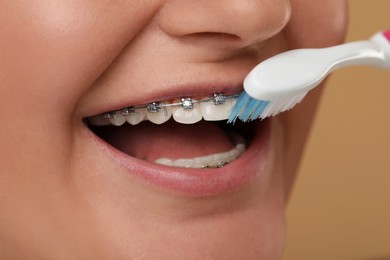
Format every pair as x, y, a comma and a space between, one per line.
186, 111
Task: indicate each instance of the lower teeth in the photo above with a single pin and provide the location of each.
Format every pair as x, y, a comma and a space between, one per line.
217, 160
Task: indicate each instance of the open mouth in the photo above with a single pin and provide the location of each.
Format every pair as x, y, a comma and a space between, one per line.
188, 132
185, 145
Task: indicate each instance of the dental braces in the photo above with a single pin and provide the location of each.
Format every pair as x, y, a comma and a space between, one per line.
219, 165
155, 107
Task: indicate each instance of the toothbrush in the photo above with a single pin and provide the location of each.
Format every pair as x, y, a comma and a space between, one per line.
279, 83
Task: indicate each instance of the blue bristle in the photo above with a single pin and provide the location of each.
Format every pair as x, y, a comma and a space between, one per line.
247, 108
240, 105
261, 105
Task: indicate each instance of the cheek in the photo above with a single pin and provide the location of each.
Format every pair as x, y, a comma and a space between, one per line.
43, 54
52, 51
317, 23
314, 24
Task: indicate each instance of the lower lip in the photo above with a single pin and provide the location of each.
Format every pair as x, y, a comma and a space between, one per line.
201, 182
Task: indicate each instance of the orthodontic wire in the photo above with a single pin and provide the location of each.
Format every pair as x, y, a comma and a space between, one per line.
155, 107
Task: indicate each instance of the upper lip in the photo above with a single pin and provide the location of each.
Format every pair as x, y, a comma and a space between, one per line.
116, 95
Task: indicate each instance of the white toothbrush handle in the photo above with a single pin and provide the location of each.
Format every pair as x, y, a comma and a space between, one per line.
298, 71
375, 52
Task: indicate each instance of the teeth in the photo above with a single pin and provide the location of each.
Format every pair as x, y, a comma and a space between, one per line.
201, 162
164, 161
212, 112
161, 116
136, 116
187, 111
210, 161
185, 163
187, 116
117, 119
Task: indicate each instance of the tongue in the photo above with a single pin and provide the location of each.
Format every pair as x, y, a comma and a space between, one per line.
170, 140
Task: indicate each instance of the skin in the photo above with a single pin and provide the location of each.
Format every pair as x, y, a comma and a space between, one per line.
61, 59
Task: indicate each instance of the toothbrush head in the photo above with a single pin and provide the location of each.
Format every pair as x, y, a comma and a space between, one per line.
248, 109
278, 84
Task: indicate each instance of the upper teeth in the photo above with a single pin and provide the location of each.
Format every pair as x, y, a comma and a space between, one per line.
187, 111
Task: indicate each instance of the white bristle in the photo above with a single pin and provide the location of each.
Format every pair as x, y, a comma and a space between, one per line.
278, 106
248, 108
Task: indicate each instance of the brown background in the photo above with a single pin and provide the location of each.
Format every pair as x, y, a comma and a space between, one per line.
340, 208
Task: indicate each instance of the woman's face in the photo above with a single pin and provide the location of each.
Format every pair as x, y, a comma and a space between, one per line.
70, 189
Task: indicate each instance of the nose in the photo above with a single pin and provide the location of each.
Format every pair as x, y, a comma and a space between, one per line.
248, 21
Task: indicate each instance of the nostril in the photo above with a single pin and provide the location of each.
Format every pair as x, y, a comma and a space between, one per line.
214, 36
250, 21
